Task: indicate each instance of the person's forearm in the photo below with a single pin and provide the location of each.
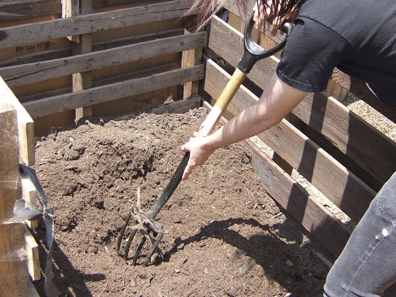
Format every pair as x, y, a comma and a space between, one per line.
269, 111
248, 123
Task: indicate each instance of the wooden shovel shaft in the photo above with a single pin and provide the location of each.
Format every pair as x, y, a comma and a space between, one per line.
222, 102
206, 128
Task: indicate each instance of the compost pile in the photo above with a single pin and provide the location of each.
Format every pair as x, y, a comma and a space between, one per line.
225, 237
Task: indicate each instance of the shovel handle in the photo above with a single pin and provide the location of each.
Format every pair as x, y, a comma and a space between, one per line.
222, 102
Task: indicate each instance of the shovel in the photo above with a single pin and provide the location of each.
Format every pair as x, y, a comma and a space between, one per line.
145, 223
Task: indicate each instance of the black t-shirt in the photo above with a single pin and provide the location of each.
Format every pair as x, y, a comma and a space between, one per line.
357, 36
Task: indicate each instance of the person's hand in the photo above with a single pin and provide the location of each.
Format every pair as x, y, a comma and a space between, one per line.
199, 150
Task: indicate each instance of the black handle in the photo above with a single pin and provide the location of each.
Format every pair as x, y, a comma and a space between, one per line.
170, 188
254, 52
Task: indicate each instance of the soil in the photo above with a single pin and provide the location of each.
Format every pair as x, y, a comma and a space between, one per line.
225, 235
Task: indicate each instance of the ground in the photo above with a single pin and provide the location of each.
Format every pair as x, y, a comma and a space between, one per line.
225, 235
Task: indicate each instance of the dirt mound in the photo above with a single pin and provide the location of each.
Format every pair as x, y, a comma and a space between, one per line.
225, 237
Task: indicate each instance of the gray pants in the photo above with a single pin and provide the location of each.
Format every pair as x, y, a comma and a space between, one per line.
367, 265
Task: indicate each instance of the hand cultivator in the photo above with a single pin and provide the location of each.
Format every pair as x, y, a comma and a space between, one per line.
145, 224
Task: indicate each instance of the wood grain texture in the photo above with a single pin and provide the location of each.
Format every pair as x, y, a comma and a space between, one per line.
33, 257
8, 159
15, 279
322, 226
321, 169
25, 125
114, 91
368, 147
29, 194
40, 71
191, 58
83, 80
83, 24
20, 10
13, 269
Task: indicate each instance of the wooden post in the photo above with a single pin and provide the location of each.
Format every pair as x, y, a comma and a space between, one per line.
82, 45
14, 276
191, 58
25, 125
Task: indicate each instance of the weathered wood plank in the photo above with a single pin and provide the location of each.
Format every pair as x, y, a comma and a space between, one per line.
367, 146
83, 24
178, 106
33, 257
311, 161
322, 226
17, 10
373, 151
25, 124
191, 58
34, 72
114, 91
8, 159
103, 4
13, 269
136, 103
84, 44
15, 279
29, 194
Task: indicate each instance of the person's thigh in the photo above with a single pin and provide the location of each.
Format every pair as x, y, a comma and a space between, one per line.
367, 265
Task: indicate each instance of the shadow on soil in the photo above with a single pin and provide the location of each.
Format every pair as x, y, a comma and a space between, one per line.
268, 251
66, 274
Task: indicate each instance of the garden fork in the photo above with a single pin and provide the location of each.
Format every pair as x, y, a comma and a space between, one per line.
146, 225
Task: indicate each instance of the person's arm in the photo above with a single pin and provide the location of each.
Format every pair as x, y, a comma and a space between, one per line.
275, 104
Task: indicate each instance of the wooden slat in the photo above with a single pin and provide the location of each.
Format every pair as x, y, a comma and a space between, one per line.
312, 162
178, 106
322, 226
8, 159
114, 91
33, 257
367, 146
25, 124
15, 280
190, 58
29, 194
83, 24
17, 10
34, 72
103, 4
373, 151
143, 68
13, 269
83, 80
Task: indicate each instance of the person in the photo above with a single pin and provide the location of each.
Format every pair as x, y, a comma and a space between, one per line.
358, 37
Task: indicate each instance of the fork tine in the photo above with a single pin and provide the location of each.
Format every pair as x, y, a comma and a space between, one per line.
138, 201
122, 234
129, 242
138, 251
155, 248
